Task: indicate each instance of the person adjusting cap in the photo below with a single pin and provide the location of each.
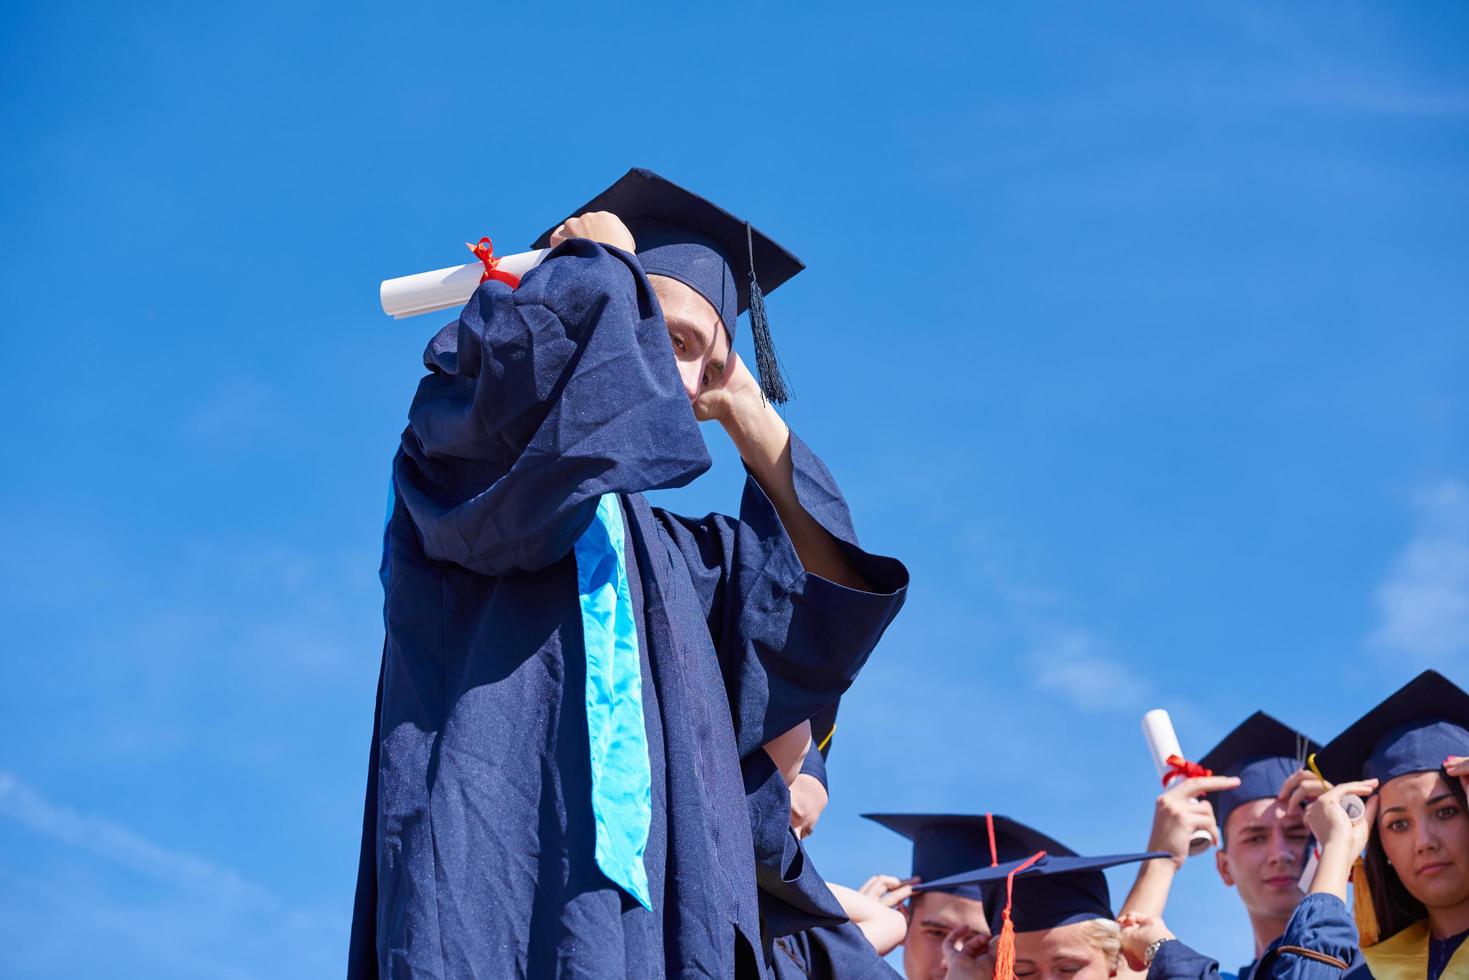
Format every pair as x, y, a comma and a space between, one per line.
723, 258
1262, 753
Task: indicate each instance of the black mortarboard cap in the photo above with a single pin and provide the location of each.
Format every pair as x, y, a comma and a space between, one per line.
1055, 890
1414, 730
945, 844
1263, 753
723, 258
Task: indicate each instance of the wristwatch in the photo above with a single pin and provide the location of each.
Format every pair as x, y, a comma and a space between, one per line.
1152, 950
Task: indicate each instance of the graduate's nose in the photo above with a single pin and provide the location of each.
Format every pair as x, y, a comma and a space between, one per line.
688, 373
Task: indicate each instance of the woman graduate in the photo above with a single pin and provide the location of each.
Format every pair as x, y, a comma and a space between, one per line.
1413, 907
572, 677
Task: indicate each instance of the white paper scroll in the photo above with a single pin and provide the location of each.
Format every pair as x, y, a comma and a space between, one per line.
1163, 742
444, 289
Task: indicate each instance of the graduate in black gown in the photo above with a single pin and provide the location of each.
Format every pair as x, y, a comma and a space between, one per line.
572, 678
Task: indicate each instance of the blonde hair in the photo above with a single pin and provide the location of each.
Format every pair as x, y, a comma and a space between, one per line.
1105, 935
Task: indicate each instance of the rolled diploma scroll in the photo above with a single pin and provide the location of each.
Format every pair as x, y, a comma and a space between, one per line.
443, 289
1163, 742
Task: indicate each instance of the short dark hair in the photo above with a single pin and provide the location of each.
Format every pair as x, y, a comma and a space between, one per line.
1394, 905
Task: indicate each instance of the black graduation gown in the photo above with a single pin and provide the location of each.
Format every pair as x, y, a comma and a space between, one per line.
477, 852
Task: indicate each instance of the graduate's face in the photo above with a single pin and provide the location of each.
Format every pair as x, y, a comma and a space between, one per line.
700, 342
1063, 953
931, 917
1263, 856
1424, 832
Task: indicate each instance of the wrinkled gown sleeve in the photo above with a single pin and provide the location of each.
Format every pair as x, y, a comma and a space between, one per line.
806, 930
1178, 961
789, 642
1319, 943
538, 401
829, 953
793, 895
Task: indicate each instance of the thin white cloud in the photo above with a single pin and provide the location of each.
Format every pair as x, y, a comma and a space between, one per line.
119, 846
195, 918
1423, 603
1071, 665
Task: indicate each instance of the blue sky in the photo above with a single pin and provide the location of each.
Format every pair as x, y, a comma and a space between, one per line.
1138, 331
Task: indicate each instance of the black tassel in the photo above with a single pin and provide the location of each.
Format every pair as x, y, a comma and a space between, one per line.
773, 383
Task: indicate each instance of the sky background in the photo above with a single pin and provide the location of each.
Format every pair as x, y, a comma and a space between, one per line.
1138, 331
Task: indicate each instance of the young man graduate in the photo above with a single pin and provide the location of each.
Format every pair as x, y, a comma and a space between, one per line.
571, 677
1255, 806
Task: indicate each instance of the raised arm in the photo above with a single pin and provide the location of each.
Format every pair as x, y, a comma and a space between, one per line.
1179, 812
537, 402
764, 443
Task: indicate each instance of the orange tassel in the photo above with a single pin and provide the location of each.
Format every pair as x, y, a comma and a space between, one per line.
1005, 946
1005, 951
1369, 932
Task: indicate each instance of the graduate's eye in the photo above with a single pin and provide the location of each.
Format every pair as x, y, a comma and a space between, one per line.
1252, 838
1298, 836
1448, 812
1398, 826
678, 343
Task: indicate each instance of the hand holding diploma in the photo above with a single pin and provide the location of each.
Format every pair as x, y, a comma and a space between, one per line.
1183, 823
450, 287
447, 288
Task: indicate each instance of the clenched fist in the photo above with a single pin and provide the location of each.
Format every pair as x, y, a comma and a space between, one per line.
598, 226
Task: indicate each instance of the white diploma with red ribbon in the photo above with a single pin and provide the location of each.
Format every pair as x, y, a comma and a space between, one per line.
1163, 744
444, 289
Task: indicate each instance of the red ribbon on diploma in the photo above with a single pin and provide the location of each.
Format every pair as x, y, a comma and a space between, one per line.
1181, 768
485, 252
